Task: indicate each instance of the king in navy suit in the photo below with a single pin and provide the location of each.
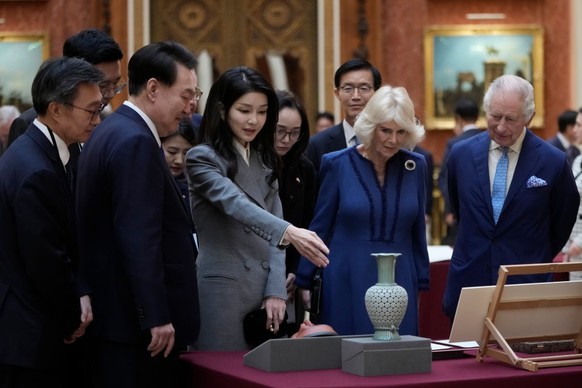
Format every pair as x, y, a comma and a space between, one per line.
541, 199
137, 250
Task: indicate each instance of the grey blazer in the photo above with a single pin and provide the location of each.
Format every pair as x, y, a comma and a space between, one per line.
239, 225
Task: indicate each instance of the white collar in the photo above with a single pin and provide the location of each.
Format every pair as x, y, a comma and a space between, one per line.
62, 148
147, 120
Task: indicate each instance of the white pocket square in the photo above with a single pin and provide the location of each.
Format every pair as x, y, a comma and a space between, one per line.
534, 181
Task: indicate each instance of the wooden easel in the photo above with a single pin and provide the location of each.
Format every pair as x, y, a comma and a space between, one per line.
491, 332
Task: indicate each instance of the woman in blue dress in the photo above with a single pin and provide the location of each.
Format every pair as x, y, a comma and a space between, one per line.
372, 199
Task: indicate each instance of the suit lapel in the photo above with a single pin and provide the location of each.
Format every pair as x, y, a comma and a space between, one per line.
251, 179
129, 112
480, 151
337, 140
526, 164
52, 153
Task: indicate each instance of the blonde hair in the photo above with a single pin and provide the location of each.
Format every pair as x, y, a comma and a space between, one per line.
389, 104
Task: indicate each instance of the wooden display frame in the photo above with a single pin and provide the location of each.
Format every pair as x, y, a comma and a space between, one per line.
501, 349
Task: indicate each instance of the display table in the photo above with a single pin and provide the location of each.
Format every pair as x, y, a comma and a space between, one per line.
226, 369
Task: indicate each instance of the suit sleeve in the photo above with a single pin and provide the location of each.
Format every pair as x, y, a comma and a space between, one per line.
451, 180
209, 182
43, 230
138, 223
276, 279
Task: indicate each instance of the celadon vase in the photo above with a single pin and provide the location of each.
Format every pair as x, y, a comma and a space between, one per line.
386, 301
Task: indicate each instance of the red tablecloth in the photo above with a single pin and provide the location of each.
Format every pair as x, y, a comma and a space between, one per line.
226, 369
433, 323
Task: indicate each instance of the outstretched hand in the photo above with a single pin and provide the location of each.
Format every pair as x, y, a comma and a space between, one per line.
308, 244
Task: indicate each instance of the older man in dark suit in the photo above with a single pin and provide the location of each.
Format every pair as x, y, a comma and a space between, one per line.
136, 245
513, 194
40, 311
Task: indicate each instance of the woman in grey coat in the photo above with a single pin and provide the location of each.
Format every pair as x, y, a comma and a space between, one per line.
237, 212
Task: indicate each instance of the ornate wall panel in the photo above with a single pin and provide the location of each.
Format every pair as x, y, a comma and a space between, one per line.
278, 37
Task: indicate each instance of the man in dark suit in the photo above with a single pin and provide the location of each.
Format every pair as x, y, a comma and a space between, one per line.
466, 115
97, 48
513, 194
136, 247
355, 82
568, 135
41, 313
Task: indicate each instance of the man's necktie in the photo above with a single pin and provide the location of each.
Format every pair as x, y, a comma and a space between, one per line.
354, 141
499, 183
69, 169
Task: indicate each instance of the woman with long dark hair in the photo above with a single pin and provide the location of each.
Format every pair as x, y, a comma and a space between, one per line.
237, 211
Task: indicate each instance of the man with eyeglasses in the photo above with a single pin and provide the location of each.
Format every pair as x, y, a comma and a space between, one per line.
512, 193
42, 315
135, 234
97, 48
355, 82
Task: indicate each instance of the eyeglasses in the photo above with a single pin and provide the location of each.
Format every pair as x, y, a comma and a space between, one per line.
112, 88
197, 94
193, 96
362, 89
293, 136
94, 113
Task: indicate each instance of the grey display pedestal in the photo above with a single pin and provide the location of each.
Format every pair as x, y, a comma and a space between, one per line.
368, 357
290, 354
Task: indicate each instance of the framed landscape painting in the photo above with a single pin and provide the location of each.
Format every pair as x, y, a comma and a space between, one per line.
461, 62
20, 57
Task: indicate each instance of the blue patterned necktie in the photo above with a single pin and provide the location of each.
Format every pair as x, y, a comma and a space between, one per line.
354, 140
499, 183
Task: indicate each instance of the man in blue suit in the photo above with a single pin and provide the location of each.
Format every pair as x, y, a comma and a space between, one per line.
41, 312
355, 83
137, 250
513, 194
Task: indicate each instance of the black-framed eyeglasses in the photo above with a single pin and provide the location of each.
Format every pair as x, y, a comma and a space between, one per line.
94, 113
362, 89
293, 136
112, 88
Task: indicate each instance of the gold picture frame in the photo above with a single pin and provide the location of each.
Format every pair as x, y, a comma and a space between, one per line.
462, 60
20, 57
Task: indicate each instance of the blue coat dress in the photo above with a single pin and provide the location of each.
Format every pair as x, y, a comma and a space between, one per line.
356, 217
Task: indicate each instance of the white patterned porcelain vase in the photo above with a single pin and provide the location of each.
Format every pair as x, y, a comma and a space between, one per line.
386, 301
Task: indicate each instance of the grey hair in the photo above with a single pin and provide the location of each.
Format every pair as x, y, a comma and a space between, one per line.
58, 80
509, 83
389, 104
8, 113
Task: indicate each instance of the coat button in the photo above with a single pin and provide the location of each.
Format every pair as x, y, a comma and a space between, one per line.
265, 264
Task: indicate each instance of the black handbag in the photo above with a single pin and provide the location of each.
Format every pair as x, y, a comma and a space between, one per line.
254, 327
